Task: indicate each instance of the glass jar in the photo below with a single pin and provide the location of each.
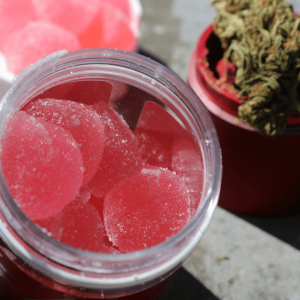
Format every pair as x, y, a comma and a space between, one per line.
36, 266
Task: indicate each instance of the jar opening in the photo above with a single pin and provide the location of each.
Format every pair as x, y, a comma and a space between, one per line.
129, 74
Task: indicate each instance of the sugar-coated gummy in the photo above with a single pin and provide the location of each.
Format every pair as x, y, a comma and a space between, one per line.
81, 121
75, 15
37, 39
108, 247
78, 225
42, 165
165, 143
13, 15
120, 158
112, 29
146, 209
123, 5
119, 90
128, 7
156, 118
155, 147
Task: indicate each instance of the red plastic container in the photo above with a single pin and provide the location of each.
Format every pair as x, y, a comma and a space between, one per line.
260, 174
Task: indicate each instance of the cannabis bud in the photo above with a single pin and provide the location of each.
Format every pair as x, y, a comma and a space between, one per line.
262, 39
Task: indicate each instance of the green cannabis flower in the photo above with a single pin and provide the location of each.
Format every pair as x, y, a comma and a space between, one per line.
262, 39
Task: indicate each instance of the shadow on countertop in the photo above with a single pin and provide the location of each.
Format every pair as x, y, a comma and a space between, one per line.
185, 287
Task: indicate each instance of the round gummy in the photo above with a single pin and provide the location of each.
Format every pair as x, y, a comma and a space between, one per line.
75, 15
78, 225
155, 147
112, 29
97, 203
146, 209
120, 158
123, 5
37, 39
13, 15
42, 166
81, 121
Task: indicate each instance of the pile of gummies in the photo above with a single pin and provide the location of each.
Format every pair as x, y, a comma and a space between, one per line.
77, 170
32, 29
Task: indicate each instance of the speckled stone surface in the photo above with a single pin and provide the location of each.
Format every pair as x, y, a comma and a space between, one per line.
236, 260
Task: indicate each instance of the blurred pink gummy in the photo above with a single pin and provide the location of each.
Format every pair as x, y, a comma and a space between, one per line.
110, 29
74, 15
155, 147
131, 10
120, 158
42, 166
34, 41
81, 121
78, 225
146, 209
13, 15
123, 5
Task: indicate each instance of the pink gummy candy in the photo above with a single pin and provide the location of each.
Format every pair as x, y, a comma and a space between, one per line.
123, 5
156, 132
75, 15
34, 41
108, 247
78, 224
42, 165
132, 11
156, 118
81, 121
13, 15
112, 28
160, 137
120, 158
87, 92
119, 90
146, 209
188, 165
155, 147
